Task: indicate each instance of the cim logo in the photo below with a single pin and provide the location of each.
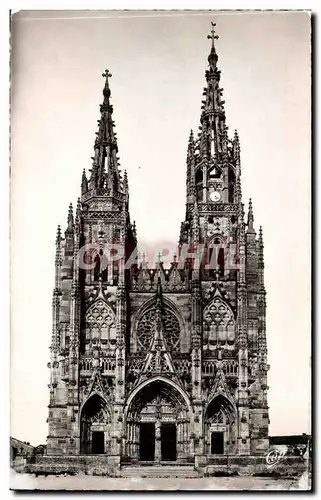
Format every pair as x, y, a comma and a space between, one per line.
275, 455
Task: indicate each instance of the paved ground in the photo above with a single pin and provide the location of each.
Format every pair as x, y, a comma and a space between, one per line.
83, 482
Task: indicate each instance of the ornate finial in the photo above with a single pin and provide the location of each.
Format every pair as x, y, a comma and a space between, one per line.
70, 212
213, 36
261, 249
217, 276
125, 182
191, 146
236, 141
58, 237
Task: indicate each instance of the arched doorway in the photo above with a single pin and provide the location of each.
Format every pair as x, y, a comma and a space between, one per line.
158, 424
95, 426
220, 427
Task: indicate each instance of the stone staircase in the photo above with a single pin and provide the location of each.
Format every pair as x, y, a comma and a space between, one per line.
159, 470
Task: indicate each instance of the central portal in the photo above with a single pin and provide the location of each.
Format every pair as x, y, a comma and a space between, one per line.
168, 442
158, 425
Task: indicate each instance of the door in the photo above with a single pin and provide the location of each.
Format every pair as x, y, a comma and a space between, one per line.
168, 442
147, 442
98, 445
217, 443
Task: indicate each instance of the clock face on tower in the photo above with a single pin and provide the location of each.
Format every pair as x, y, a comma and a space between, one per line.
215, 196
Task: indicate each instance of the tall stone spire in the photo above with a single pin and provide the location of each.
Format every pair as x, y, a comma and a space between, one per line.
212, 134
105, 173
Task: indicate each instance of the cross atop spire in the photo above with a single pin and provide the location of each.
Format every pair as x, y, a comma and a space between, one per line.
213, 36
212, 58
107, 74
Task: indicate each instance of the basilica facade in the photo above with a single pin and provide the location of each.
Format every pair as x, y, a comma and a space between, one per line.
161, 363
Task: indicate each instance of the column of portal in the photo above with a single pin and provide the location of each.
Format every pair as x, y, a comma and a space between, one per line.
137, 437
179, 439
129, 440
158, 450
185, 437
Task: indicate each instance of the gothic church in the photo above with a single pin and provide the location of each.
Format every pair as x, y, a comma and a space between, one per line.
165, 364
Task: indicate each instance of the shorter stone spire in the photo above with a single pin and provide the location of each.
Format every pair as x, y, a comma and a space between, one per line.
261, 249
250, 218
84, 182
125, 182
58, 237
78, 212
158, 306
237, 158
134, 229
70, 220
191, 146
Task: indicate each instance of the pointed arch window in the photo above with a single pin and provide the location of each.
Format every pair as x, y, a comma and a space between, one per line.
218, 321
100, 322
216, 256
100, 266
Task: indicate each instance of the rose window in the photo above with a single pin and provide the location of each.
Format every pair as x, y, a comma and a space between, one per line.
171, 329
